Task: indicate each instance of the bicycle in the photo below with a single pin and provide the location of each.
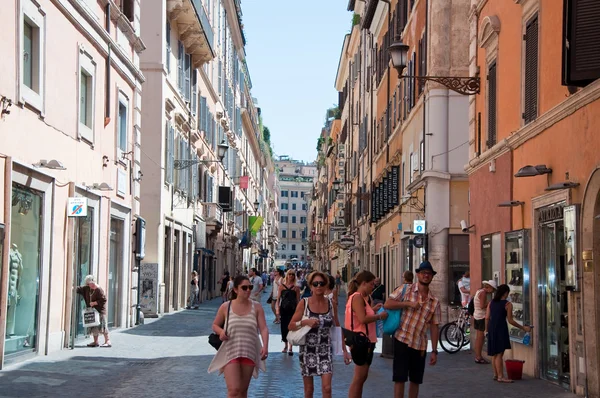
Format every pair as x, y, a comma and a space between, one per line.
456, 334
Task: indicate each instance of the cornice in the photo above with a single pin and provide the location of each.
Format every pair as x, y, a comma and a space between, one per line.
566, 108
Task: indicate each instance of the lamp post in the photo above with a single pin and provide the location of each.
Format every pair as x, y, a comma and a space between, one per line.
222, 148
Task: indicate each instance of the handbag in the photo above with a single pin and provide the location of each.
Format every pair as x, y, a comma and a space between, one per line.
298, 337
392, 322
359, 343
214, 339
90, 317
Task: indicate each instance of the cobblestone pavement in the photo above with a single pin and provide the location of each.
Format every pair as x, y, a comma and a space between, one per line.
169, 357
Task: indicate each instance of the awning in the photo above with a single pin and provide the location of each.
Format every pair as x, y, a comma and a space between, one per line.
208, 252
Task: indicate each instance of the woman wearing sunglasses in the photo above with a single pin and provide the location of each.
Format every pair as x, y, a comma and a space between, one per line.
316, 353
287, 301
241, 354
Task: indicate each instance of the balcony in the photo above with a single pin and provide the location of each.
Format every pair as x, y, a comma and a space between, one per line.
194, 27
213, 216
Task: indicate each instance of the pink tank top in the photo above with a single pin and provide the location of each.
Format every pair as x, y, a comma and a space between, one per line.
360, 327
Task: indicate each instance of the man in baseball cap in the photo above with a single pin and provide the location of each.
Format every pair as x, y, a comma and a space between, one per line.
480, 302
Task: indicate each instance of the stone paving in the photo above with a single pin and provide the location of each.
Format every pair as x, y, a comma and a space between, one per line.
169, 357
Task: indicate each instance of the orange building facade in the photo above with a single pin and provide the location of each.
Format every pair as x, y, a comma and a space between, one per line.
534, 180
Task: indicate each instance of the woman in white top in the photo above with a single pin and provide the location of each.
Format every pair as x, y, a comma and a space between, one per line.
275, 293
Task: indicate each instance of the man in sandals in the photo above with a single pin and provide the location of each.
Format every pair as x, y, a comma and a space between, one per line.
480, 302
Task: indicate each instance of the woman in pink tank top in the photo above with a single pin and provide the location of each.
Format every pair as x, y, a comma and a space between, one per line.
361, 317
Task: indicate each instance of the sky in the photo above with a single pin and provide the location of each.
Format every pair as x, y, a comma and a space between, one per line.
293, 50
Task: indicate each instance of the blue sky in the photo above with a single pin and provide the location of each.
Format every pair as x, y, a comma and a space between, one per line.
293, 49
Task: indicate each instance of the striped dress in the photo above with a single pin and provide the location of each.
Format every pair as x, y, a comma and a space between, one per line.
243, 342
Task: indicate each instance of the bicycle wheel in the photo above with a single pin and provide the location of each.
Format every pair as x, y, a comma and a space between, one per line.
451, 338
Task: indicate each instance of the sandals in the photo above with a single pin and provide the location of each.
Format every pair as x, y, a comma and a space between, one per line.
93, 345
106, 345
481, 361
503, 380
290, 353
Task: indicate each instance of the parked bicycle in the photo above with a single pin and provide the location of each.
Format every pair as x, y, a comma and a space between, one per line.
456, 334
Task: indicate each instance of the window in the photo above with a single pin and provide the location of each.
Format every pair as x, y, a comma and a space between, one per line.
293, 247
283, 257
87, 73
491, 105
284, 219
302, 247
293, 234
122, 125
531, 71
284, 206
32, 49
168, 47
422, 165
180, 66
127, 7
294, 194
302, 220
293, 206
410, 172
581, 44
403, 178
302, 194
304, 233
283, 233
188, 77
293, 219
283, 247
284, 194
304, 206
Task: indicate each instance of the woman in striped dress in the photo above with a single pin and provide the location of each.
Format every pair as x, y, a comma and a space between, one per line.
241, 355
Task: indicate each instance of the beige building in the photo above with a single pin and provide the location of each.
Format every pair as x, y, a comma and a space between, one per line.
70, 90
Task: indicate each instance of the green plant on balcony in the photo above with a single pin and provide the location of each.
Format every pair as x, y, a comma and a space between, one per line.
320, 142
355, 19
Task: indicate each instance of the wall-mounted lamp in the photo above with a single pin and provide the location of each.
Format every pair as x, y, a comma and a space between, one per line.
562, 185
105, 161
100, 187
50, 164
532, 171
511, 203
5, 103
139, 177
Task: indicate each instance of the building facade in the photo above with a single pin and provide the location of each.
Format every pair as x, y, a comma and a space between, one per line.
295, 186
533, 166
70, 88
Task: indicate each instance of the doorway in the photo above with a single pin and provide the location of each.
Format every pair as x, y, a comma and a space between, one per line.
83, 245
554, 325
176, 269
115, 265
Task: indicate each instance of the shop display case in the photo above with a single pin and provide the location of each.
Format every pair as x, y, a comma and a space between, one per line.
517, 265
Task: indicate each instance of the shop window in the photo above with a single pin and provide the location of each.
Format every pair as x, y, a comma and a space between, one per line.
87, 80
24, 271
83, 245
33, 22
458, 262
516, 247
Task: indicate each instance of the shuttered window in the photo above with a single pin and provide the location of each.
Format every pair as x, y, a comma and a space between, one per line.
180, 61
581, 44
194, 104
168, 49
531, 71
169, 155
492, 106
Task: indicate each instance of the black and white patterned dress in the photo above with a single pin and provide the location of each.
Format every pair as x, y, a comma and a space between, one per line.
316, 354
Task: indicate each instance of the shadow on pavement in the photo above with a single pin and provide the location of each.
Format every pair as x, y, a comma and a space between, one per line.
185, 323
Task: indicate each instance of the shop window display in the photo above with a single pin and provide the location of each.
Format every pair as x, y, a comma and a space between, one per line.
23, 281
516, 248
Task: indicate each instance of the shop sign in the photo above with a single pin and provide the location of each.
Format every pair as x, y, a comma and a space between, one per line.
419, 226
77, 207
395, 185
385, 195
549, 214
373, 205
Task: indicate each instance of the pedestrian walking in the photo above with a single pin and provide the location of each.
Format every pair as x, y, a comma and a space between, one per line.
94, 297
421, 311
223, 281
258, 284
498, 312
480, 304
287, 301
408, 277
277, 281
331, 291
241, 355
229, 290
316, 354
338, 281
361, 317
194, 290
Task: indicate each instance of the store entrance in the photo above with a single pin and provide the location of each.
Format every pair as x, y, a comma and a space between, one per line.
84, 227
554, 325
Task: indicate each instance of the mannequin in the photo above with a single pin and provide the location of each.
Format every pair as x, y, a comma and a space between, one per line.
15, 271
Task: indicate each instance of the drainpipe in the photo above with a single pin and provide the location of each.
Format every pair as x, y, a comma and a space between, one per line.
107, 87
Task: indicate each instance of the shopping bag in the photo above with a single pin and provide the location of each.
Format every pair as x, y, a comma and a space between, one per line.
336, 340
90, 317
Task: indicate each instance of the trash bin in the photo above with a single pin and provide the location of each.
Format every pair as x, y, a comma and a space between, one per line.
387, 347
514, 369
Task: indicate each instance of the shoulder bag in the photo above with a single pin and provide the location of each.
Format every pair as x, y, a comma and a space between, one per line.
392, 322
214, 339
298, 337
90, 317
359, 343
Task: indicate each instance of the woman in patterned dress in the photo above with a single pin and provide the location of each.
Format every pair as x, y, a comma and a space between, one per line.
316, 353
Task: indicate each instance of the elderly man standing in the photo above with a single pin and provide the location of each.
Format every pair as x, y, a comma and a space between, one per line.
421, 311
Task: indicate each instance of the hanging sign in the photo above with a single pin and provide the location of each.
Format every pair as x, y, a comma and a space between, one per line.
419, 226
77, 207
395, 185
385, 195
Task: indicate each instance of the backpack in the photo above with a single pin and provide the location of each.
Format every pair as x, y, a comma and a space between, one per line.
471, 306
288, 300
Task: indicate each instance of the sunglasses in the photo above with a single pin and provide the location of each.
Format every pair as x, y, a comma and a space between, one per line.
318, 283
247, 287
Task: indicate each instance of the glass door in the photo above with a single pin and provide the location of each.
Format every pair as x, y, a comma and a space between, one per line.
83, 260
553, 326
114, 269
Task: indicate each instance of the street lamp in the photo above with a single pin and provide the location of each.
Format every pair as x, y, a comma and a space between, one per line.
256, 204
336, 185
222, 148
463, 85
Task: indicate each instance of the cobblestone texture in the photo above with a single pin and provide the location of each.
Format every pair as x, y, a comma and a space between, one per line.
169, 357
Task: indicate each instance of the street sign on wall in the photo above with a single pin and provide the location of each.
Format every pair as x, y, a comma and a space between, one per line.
419, 226
77, 207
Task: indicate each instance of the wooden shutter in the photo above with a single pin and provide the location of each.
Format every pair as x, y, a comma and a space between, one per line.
127, 7
491, 106
180, 60
194, 104
168, 40
531, 71
188, 77
170, 153
581, 44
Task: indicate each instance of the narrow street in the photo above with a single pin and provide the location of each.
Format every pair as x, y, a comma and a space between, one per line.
168, 357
